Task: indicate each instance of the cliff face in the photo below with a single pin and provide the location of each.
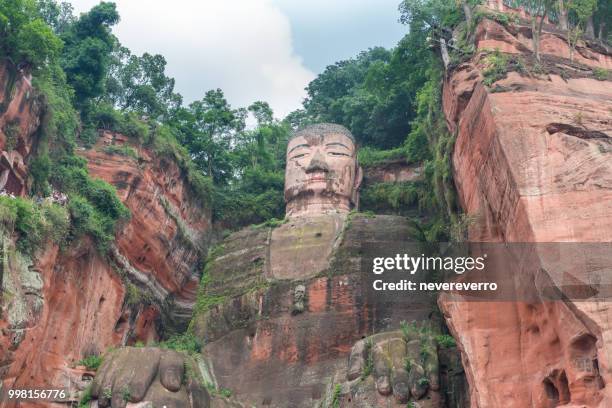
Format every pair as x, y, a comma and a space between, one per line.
71, 302
163, 245
532, 164
20, 115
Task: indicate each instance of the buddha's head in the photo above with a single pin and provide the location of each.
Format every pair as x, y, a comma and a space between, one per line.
322, 173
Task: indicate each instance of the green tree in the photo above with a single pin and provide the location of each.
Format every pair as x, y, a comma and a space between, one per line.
262, 112
88, 46
581, 11
208, 128
140, 84
603, 16
24, 37
539, 10
372, 94
58, 16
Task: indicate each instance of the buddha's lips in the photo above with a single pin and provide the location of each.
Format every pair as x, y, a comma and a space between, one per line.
317, 178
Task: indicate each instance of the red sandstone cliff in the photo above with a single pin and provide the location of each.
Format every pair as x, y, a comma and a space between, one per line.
69, 303
532, 163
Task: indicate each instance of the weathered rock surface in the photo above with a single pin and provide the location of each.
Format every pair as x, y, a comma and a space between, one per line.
532, 164
20, 116
262, 350
65, 305
148, 376
163, 245
396, 368
395, 171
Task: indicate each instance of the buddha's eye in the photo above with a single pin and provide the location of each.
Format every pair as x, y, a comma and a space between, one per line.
298, 156
337, 154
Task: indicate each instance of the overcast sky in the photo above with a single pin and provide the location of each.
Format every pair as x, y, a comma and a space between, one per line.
253, 49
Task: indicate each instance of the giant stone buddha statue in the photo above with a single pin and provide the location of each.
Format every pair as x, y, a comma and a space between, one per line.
322, 174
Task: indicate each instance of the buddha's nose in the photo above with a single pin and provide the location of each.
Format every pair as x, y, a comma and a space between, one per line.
317, 163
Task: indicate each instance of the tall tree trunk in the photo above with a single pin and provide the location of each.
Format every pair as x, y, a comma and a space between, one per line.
535, 37
467, 10
602, 27
590, 28
444, 51
563, 25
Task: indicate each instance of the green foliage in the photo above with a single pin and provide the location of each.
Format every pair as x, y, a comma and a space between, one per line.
446, 341
582, 9
602, 18
93, 204
369, 364
601, 74
497, 67
165, 144
271, 223
409, 330
235, 207
370, 157
60, 121
206, 302
186, 342
85, 397
372, 94
34, 223
224, 392
430, 14
12, 131
207, 129
126, 393
40, 169
131, 126
92, 362
438, 170
121, 150
248, 171
139, 84
393, 197
57, 222
134, 296
336, 396
24, 37
423, 381
503, 18
88, 220
105, 116
58, 16
88, 45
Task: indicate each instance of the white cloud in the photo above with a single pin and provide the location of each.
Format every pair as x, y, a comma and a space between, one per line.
241, 46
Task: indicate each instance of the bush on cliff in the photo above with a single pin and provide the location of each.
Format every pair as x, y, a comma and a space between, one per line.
54, 163
33, 223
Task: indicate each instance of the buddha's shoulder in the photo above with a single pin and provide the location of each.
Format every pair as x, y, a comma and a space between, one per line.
314, 237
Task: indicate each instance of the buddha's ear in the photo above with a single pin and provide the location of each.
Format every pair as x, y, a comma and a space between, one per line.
358, 177
356, 185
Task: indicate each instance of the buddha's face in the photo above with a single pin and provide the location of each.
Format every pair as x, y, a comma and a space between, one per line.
322, 173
